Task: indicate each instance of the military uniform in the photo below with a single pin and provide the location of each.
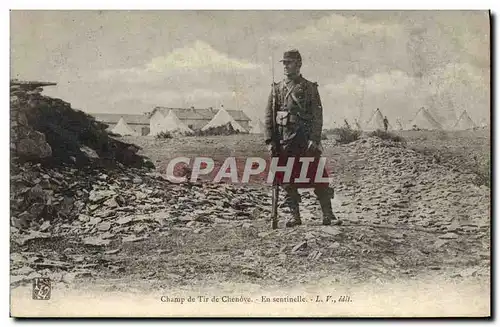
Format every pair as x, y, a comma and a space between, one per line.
299, 120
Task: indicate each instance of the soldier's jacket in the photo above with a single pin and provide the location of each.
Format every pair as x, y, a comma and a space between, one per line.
304, 121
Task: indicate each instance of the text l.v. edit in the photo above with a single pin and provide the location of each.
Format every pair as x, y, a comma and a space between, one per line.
333, 299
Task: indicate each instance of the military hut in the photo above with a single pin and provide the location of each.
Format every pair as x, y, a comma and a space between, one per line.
139, 123
195, 118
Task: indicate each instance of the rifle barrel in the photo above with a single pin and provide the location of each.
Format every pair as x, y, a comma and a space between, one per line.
275, 142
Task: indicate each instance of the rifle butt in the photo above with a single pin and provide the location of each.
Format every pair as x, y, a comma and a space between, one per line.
274, 214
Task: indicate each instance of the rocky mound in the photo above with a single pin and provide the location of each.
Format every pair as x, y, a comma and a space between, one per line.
57, 154
385, 182
100, 213
48, 130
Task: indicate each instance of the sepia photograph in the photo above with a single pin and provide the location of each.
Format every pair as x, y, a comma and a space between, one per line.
250, 163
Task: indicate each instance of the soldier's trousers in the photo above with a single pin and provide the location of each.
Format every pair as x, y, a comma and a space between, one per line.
322, 189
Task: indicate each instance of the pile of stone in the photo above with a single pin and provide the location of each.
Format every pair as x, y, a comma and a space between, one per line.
392, 184
57, 155
48, 130
85, 198
25, 140
102, 211
41, 195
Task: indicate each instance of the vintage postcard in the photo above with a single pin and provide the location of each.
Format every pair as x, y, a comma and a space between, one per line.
250, 163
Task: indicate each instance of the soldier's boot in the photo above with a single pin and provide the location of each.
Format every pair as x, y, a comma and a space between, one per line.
294, 219
328, 216
324, 197
293, 199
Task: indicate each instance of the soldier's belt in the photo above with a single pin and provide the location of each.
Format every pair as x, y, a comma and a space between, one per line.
283, 118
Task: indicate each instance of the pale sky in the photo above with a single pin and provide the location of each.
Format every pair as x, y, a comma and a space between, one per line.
129, 62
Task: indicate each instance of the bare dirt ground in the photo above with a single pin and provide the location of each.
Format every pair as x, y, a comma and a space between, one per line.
413, 212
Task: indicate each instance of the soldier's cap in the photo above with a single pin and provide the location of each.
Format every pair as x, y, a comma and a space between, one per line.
291, 55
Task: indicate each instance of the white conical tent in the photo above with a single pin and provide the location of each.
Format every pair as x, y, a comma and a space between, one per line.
172, 123
464, 122
122, 128
221, 118
399, 126
424, 120
376, 122
484, 122
155, 123
257, 127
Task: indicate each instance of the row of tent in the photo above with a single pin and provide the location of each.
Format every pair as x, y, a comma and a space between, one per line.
422, 120
172, 124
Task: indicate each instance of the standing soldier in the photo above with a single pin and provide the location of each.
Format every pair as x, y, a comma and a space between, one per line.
386, 123
298, 115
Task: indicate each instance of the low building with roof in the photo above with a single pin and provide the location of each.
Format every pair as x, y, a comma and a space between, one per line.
139, 123
192, 117
195, 118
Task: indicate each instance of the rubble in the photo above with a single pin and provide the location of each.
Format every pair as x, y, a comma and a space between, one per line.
418, 192
48, 130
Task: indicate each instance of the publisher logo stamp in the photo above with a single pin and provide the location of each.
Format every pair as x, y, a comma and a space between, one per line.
41, 288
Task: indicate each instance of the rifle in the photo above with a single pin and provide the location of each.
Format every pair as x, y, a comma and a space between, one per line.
275, 141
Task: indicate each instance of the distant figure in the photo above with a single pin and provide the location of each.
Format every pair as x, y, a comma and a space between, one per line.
386, 123
347, 124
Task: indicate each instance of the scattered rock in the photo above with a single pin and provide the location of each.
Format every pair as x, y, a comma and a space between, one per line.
25, 270
111, 203
449, 236
132, 238
331, 230
45, 226
264, 234
334, 245
388, 261
45, 263
251, 272
314, 255
309, 236
124, 220
468, 272
33, 235
112, 251
100, 195
83, 218
104, 226
439, 243
20, 278
95, 241
95, 221
299, 247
